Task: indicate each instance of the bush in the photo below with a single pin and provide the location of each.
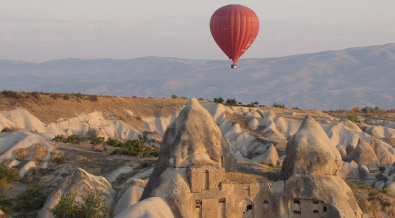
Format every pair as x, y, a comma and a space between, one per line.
9, 129
75, 139
174, 96
55, 96
356, 109
93, 98
353, 118
113, 142
97, 140
36, 94
9, 173
373, 110
231, 101
66, 97
218, 100
31, 200
91, 206
382, 169
5, 205
59, 138
10, 94
136, 147
278, 105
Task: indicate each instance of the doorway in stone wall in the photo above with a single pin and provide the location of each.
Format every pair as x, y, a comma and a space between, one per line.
247, 208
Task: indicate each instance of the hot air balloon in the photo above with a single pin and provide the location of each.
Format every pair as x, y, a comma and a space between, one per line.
234, 28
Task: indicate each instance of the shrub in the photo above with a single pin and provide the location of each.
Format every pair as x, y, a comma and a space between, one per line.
66, 97
91, 206
231, 101
59, 138
97, 140
9, 129
278, 105
78, 95
356, 109
353, 118
5, 204
218, 100
174, 96
385, 191
31, 200
75, 139
9, 173
382, 169
10, 94
55, 96
113, 142
136, 147
93, 98
36, 94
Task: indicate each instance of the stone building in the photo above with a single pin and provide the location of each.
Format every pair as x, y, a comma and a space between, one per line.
215, 196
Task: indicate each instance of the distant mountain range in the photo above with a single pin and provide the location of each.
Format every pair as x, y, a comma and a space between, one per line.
326, 80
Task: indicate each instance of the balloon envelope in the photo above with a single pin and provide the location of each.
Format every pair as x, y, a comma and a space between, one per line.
234, 28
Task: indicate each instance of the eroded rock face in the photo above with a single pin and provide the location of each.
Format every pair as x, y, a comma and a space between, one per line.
311, 168
311, 152
154, 207
364, 154
193, 139
331, 190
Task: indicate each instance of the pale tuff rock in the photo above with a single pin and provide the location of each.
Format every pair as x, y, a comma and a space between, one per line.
332, 190
385, 153
154, 207
311, 152
342, 150
129, 197
364, 154
192, 139
269, 157
312, 165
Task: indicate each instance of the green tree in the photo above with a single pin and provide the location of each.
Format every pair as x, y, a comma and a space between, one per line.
91, 206
231, 101
218, 100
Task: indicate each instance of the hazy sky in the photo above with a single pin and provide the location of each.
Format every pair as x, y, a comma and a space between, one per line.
40, 30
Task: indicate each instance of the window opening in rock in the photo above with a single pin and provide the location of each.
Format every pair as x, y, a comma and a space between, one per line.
315, 206
296, 208
198, 203
206, 180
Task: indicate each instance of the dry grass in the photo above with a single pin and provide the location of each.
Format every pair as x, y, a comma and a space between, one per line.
49, 109
372, 201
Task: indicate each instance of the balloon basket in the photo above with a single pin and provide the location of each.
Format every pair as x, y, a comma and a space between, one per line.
233, 66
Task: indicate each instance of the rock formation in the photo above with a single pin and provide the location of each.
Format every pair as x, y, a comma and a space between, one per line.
312, 165
193, 139
364, 154
192, 178
311, 152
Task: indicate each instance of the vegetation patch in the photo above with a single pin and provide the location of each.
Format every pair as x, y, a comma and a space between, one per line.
135, 147
91, 206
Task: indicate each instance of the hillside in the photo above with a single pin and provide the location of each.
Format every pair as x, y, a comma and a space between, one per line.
325, 80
